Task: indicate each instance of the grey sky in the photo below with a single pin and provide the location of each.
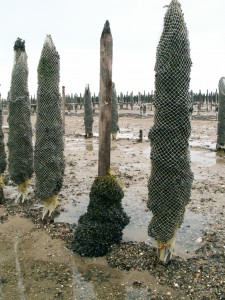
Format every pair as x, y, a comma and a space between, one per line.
136, 25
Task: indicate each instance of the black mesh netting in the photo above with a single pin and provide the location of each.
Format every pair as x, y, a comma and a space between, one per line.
48, 156
221, 116
2, 146
115, 115
171, 177
20, 130
88, 112
2, 157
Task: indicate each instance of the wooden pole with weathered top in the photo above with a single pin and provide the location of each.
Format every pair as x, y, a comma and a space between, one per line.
105, 100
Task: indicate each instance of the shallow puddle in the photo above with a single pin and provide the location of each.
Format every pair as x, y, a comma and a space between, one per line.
207, 158
11, 191
81, 144
204, 143
137, 229
204, 157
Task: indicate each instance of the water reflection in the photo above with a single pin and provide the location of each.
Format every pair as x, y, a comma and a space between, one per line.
114, 147
220, 158
101, 281
74, 144
208, 158
135, 207
11, 191
89, 145
137, 229
82, 289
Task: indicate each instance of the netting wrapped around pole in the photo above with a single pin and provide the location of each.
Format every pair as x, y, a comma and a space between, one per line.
20, 130
48, 156
2, 145
2, 157
221, 117
171, 177
115, 115
88, 113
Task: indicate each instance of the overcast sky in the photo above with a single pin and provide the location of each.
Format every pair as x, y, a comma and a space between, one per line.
136, 26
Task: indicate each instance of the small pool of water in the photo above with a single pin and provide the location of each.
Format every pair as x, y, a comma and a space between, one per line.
202, 156
11, 191
137, 229
81, 144
207, 158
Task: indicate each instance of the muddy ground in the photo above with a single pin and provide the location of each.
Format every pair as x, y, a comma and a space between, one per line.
35, 257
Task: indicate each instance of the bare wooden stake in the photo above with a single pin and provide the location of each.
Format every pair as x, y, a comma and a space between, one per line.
105, 100
63, 107
141, 135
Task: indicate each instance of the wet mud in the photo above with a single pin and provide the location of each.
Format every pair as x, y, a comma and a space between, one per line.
36, 260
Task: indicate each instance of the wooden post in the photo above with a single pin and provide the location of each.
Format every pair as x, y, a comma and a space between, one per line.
105, 100
141, 135
63, 108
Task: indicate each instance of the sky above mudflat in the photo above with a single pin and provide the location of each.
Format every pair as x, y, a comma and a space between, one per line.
136, 26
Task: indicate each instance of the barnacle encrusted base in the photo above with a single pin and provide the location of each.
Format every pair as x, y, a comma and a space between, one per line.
22, 191
102, 225
2, 198
1, 181
50, 203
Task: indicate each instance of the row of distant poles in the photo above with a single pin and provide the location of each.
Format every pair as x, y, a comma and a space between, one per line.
201, 101
217, 100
